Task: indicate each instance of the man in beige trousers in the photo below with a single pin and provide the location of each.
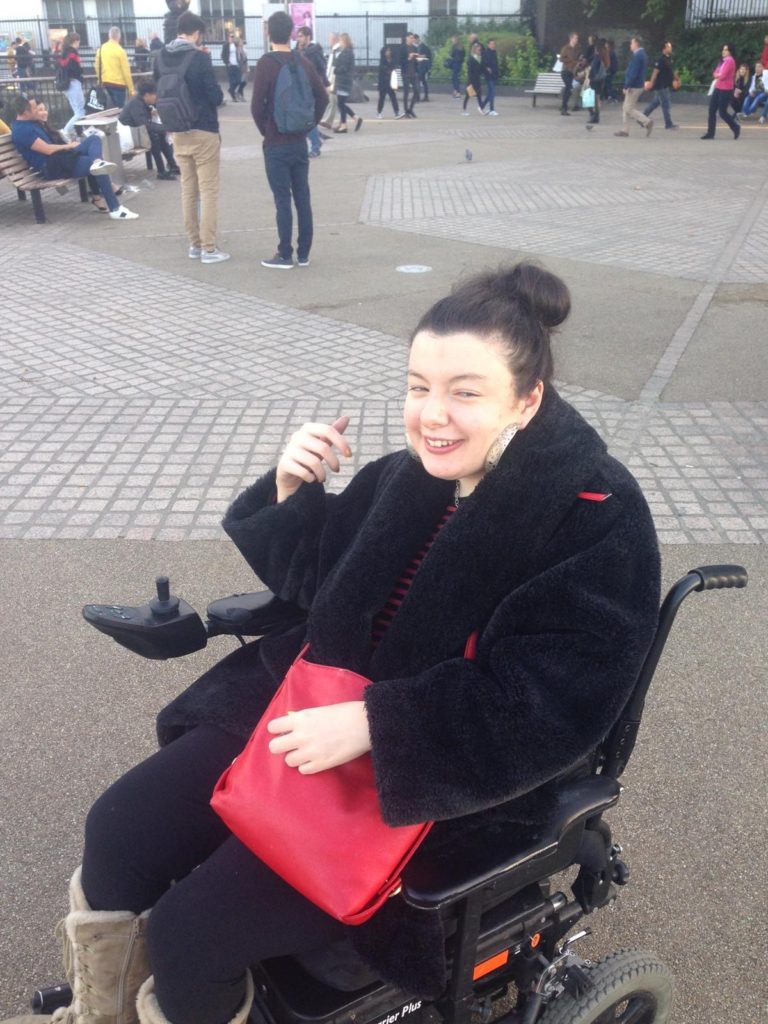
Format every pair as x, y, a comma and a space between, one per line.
198, 147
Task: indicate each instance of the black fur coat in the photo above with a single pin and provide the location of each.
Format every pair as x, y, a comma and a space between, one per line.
564, 590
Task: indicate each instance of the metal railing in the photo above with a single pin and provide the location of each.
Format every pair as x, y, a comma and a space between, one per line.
369, 33
710, 12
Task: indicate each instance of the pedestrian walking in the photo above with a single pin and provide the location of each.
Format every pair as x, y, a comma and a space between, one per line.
314, 54
141, 55
344, 78
242, 58
491, 74
423, 69
569, 57
231, 61
409, 56
70, 66
387, 83
474, 86
663, 80
721, 94
634, 86
113, 70
595, 76
456, 60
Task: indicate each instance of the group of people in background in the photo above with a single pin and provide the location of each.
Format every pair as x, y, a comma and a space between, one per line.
750, 89
482, 71
733, 95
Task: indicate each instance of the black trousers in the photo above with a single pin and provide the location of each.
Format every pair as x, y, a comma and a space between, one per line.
567, 77
383, 93
227, 910
719, 102
161, 149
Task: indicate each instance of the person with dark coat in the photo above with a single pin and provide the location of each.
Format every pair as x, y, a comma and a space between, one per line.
344, 72
171, 21
138, 113
387, 67
409, 57
197, 150
286, 160
456, 61
423, 69
491, 74
474, 86
505, 518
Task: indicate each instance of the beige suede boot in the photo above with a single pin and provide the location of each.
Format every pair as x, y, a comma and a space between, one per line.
150, 1012
105, 960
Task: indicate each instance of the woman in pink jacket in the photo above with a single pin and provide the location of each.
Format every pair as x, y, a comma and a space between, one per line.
722, 94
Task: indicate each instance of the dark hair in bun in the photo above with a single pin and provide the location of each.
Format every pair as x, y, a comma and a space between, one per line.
516, 306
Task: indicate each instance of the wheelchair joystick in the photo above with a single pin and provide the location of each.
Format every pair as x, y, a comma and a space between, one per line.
164, 606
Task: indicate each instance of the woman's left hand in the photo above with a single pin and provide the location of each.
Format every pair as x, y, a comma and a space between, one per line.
316, 739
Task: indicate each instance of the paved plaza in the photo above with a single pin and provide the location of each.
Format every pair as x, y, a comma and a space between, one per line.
141, 391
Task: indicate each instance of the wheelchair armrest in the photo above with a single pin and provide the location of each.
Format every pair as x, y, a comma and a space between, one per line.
430, 882
252, 614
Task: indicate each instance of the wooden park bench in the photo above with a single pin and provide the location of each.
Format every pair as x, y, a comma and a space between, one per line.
547, 84
17, 172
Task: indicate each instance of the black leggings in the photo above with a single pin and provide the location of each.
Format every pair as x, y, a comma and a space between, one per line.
383, 93
344, 108
719, 102
152, 828
478, 97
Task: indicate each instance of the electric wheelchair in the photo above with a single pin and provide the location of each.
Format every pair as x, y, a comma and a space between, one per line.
507, 951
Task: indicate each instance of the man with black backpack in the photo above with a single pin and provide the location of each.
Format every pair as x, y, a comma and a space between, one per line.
289, 98
187, 97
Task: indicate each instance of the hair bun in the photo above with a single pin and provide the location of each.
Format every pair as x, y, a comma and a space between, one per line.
545, 295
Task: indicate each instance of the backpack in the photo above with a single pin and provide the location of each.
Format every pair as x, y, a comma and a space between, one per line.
601, 73
177, 110
294, 102
61, 82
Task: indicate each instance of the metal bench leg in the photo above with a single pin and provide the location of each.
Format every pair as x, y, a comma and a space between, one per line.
37, 204
83, 190
21, 196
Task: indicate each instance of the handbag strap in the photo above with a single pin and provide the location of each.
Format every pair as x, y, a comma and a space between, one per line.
470, 649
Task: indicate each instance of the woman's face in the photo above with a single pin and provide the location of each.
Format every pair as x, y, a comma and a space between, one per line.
461, 396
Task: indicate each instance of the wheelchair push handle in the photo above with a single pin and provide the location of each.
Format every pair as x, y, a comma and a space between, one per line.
721, 577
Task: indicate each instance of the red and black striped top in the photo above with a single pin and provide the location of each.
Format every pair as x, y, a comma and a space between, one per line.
384, 618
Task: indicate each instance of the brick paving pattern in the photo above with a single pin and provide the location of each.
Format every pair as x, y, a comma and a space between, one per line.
107, 434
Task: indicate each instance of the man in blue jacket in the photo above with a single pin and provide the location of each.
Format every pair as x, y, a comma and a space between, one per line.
634, 86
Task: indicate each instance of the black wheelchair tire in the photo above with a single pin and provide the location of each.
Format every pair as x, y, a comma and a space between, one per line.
630, 977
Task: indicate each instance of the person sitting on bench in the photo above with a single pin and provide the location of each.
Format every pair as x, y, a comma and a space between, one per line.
138, 113
66, 160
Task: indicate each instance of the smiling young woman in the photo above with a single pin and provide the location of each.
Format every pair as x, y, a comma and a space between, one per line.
507, 518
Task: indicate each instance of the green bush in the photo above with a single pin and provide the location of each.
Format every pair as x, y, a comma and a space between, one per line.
697, 50
520, 59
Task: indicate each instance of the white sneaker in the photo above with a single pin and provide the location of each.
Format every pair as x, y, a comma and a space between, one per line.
465, 113
379, 117
217, 256
762, 120
195, 252
123, 213
101, 167
493, 113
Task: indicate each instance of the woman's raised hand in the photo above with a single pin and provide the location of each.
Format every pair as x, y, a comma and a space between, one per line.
308, 453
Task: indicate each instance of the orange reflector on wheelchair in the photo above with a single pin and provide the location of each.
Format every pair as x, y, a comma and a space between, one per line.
487, 966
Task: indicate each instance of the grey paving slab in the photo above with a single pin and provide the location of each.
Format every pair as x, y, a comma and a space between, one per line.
148, 390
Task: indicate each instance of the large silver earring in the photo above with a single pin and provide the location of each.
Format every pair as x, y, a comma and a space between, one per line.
410, 449
499, 446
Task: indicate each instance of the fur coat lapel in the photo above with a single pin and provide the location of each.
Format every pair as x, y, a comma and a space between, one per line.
497, 539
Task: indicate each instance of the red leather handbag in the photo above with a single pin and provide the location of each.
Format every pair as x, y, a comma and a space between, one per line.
324, 833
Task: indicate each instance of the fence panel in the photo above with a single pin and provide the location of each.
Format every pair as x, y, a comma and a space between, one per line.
368, 32
710, 12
